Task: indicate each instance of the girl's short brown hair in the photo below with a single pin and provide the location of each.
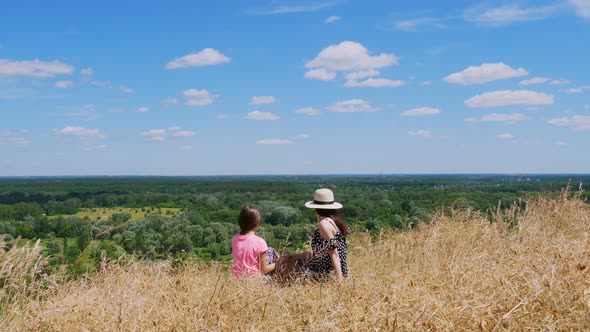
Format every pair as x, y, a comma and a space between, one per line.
249, 219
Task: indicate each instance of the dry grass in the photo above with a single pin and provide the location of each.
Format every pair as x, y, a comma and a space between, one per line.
458, 273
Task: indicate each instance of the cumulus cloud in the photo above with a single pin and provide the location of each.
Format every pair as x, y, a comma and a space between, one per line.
207, 57
412, 24
274, 141
197, 97
261, 116
578, 122
582, 7
332, 19
143, 109
421, 111
86, 71
509, 97
14, 137
155, 135
303, 8
578, 89
34, 68
258, 100
80, 132
221, 116
540, 80
320, 74
174, 128
505, 136
561, 81
487, 72
170, 101
357, 75
427, 83
308, 111
507, 14
302, 136
495, 117
352, 106
420, 132
126, 89
64, 84
350, 56
184, 133
535, 80
374, 83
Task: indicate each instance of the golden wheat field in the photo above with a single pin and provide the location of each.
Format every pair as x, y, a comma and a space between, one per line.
527, 270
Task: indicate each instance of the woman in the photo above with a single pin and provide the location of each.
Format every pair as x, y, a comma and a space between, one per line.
328, 243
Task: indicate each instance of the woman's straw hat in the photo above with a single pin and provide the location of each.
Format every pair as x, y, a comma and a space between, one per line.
323, 199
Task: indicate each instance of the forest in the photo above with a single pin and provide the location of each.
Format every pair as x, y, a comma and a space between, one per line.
82, 221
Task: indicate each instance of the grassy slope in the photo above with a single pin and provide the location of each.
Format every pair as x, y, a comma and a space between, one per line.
459, 273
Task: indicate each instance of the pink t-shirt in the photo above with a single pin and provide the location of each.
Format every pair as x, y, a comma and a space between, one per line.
245, 251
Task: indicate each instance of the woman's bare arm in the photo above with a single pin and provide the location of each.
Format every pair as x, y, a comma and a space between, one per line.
264, 266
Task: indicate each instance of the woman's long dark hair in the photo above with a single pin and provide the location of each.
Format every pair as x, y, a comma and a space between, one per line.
334, 215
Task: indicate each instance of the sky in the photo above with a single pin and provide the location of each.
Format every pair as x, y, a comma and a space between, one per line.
294, 87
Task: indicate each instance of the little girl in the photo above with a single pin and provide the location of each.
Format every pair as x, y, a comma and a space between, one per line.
251, 255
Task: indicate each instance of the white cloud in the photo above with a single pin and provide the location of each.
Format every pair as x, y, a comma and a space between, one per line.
102, 84
143, 109
170, 101
274, 141
86, 71
303, 8
509, 97
261, 116
186, 147
156, 135
357, 75
578, 122
126, 89
352, 106
420, 132
374, 83
34, 68
64, 84
14, 137
350, 56
302, 136
308, 110
561, 143
174, 128
535, 80
332, 19
207, 57
411, 25
582, 7
487, 72
507, 14
184, 133
560, 81
421, 111
320, 74
495, 117
505, 136
258, 100
199, 97
80, 132
221, 116
578, 89
427, 83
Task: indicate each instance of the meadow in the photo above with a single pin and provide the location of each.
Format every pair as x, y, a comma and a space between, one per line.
104, 214
526, 268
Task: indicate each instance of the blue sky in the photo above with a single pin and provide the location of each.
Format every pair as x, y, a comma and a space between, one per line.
294, 87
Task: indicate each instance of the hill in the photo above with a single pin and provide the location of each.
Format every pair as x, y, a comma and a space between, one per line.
526, 268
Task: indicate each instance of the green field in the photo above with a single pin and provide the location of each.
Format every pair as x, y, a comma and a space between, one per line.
101, 214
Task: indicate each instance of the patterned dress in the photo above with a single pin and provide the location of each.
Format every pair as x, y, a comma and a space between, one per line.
320, 262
